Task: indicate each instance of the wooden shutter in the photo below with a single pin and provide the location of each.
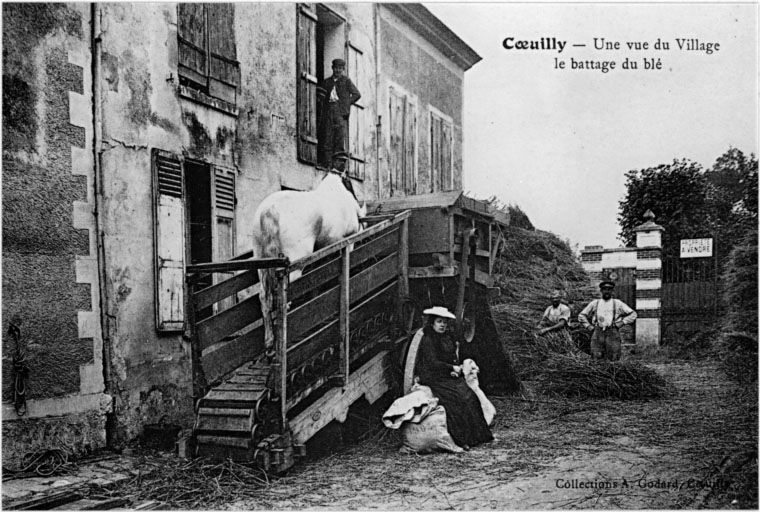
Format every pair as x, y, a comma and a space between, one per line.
192, 42
224, 70
410, 150
306, 100
435, 153
396, 141
169, 241
358, 125
224, 228
445, 156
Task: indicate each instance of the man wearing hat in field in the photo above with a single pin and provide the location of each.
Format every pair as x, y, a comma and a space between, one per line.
556, 316
340, 94
605, 317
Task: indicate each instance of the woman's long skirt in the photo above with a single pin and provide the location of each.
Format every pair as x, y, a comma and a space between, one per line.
464, 415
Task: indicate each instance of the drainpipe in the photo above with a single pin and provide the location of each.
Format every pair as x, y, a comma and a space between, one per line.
98, 209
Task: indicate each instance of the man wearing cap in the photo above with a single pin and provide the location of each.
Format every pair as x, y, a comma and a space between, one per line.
340, 94
605, 317
556, 316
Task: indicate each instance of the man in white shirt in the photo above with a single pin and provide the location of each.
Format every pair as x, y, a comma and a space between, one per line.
605, 317
556, 316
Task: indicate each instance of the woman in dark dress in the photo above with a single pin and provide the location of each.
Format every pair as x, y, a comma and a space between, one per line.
439, 367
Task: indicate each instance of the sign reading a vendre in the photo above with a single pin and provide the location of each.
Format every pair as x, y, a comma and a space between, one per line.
697, 248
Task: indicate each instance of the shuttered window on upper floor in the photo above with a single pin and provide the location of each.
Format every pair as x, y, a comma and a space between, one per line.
359, 122
441, 161
402, 156
207, 51
306, 94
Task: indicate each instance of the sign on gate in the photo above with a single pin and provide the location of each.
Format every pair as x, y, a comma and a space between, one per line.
697, 248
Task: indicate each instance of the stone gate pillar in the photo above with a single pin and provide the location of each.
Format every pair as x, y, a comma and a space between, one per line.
648, 281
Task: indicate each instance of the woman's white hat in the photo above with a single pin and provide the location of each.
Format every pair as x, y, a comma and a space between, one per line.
439, 311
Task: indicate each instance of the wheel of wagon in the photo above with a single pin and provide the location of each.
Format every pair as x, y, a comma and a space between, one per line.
256, 435
409, 312
411, 361
261, 405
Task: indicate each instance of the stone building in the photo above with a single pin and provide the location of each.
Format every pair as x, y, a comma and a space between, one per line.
139, 137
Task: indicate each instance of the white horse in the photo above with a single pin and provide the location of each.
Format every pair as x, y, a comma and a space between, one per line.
295, 224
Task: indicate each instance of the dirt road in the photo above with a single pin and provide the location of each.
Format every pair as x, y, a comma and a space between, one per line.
696, 448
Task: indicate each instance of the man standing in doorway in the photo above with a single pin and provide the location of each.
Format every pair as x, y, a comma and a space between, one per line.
340, 94
605, 317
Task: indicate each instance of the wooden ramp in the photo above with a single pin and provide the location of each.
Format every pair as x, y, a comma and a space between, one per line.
333, 329
231, 418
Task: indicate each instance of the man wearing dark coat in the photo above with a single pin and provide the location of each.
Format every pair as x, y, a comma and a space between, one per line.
340, 94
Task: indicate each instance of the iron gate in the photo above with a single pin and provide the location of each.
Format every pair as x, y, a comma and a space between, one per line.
689, 295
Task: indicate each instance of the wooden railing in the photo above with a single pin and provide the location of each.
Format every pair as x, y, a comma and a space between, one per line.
343, 306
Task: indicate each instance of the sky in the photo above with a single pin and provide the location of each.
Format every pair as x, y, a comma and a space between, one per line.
558, 142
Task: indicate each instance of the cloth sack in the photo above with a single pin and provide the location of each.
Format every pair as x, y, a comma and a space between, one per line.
429, 435
470, 371
412, 407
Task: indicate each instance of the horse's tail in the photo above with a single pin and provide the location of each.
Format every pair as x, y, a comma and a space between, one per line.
267, 245
268, 236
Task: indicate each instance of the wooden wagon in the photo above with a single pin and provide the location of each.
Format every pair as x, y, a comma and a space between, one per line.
339, 328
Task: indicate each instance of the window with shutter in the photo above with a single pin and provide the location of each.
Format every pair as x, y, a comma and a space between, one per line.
207, 50
169, 237
402, 158
441, 171
359, 122
224, 214
306, 97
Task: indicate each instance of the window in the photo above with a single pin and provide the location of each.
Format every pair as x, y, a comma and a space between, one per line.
207, 51
402, 157
320, 38
306, 95
441, 171
360, 118
194, 212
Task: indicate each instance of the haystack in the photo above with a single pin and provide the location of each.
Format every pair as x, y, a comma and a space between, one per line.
737, 343
577, 375
532, 265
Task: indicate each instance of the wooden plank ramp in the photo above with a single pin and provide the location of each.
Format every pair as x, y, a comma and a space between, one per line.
236, 415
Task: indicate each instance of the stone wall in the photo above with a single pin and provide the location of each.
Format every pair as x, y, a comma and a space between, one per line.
50, 274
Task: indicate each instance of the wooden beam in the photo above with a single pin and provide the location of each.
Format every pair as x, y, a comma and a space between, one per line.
381, 246
214, 329
345, 299
282, 342
466, 235
232, 266
403, 268
299, 264
432, 271
478, 252
208, 296
223, 357
372, 380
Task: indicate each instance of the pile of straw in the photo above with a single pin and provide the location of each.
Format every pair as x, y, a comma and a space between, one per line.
576, 375
532, 265
737, 344
195, 484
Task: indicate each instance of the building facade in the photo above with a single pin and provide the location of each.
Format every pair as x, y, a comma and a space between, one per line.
138, 138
